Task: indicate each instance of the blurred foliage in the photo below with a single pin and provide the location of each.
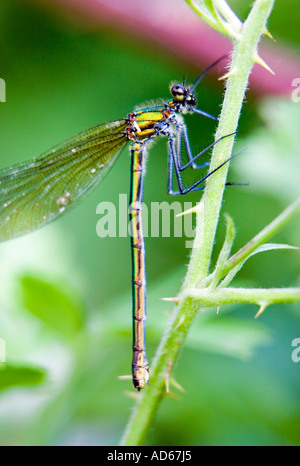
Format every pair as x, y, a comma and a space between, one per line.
65, 306
11, 376
54, 307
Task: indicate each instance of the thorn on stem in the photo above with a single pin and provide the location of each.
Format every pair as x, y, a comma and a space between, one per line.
175, 384
227, 75
262, 63
262, 308
171, 300
192, 210
268, 34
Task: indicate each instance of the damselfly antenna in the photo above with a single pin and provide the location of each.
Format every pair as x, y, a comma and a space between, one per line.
192, 87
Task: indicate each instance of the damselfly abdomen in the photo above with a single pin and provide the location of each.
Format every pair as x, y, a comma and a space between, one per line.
35, 192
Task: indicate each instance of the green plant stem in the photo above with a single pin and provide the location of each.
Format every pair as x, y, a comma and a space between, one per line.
244, 56
259, 296
243, 59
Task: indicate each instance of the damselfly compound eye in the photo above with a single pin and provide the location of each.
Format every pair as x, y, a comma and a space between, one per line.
178, 91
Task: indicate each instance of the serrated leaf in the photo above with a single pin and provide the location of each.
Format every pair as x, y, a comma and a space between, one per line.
55, 305
225, 251
13, 376
263, 248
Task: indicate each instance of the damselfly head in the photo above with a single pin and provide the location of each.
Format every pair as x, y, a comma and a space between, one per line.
185, 95
182, 95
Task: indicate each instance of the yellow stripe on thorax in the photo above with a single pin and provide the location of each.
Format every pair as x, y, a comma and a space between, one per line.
148, 117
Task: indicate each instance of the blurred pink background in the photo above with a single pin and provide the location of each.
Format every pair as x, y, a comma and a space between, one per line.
171, 25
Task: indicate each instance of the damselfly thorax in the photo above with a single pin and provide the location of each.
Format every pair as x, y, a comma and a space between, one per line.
35, 192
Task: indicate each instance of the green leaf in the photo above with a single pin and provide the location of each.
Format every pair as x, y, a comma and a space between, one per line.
13, 376
59, 308
264, 247
225, 251
205, 9
218, 15
208, 7
270, 247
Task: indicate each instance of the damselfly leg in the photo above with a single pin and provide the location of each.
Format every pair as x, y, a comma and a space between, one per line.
175, 162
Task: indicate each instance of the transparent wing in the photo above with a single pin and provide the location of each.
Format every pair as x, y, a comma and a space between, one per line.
36, 192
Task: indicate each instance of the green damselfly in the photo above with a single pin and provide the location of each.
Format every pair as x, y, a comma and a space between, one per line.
35, 192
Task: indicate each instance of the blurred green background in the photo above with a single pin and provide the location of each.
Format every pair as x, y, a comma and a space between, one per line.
65, 299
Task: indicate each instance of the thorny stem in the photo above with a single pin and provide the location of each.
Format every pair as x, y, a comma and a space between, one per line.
243, 58
259, 296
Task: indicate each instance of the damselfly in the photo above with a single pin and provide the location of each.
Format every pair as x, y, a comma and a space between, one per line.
35, 192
